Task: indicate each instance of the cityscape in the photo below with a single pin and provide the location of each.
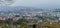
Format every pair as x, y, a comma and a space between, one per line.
29, 13
25, 17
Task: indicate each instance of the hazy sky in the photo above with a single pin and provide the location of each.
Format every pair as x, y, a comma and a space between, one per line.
38, 3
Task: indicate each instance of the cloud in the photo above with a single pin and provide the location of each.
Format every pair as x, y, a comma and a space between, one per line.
6, 2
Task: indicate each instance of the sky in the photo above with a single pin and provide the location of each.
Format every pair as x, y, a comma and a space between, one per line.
38, 3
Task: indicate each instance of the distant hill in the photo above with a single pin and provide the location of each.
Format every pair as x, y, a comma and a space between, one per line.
18, 9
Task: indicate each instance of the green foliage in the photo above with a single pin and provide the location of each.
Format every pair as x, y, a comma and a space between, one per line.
23, 25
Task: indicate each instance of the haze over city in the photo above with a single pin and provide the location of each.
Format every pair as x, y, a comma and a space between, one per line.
29, 13
37, 3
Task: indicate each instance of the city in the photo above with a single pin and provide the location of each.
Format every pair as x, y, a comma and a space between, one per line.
29, 18
29, 13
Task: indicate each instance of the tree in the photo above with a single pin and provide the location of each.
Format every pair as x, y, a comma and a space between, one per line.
9, 22
23, 25
20, 21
